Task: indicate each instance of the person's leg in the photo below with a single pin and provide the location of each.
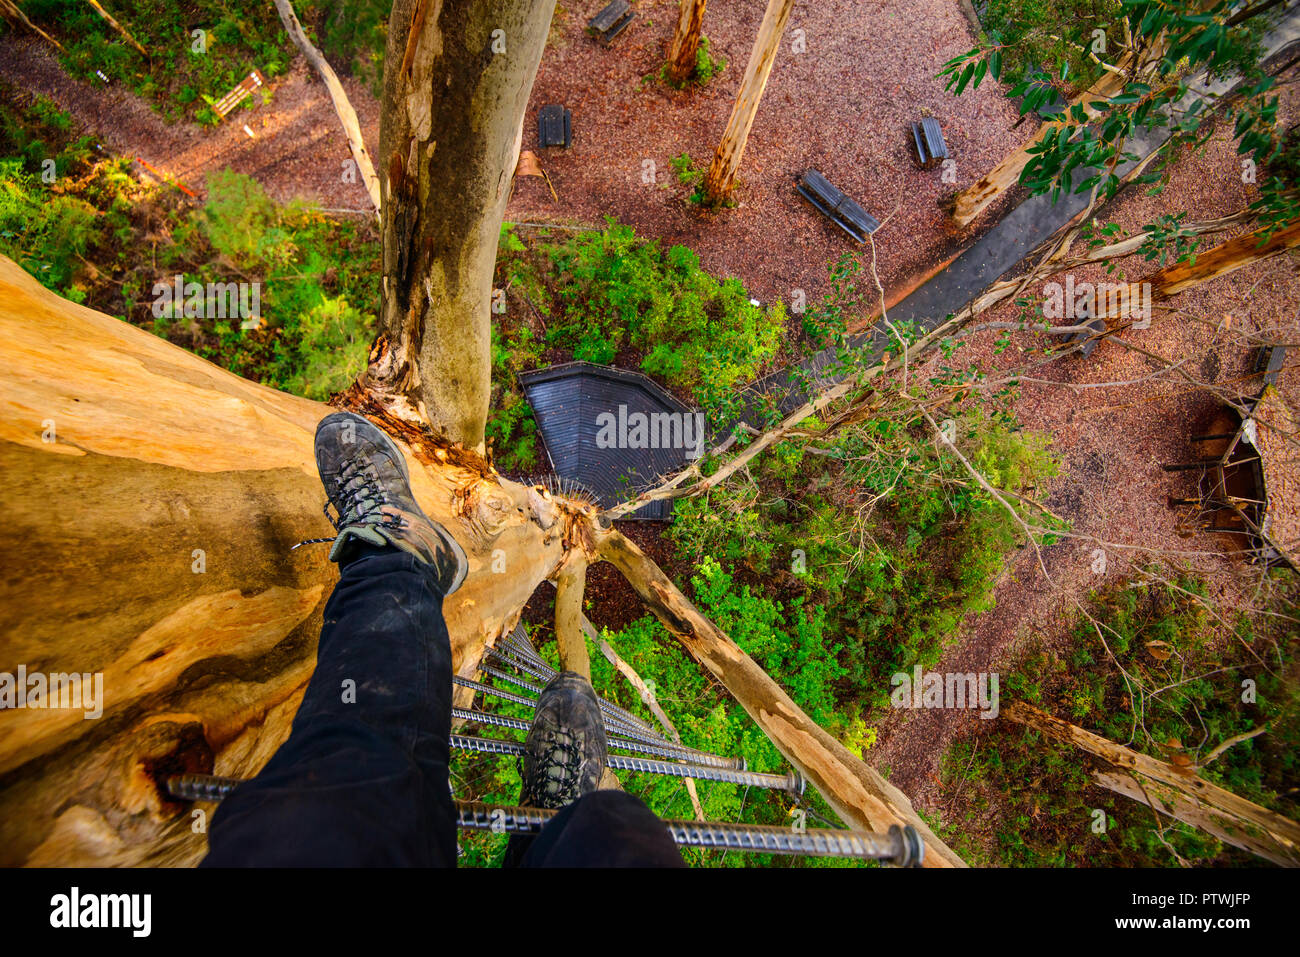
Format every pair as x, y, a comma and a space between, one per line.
600, 829
564, 758
363, 777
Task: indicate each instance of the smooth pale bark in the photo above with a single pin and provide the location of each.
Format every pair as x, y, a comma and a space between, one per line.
149, 541
686, 41
726, 160
860, 796
338, 96
570, 584
457, 75
1174, 791
1227, 257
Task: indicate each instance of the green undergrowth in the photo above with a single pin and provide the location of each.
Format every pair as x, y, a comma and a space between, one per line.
1211, 682
85, 228
604, 294
198, 51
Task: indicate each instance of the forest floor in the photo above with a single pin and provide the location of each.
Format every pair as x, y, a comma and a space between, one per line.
1115, 420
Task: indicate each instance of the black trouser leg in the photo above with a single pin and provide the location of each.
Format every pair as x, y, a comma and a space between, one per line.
600, 829
363, 777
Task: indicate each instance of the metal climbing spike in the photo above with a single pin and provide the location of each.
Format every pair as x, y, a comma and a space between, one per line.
902, 847
791, 781
612, 729
612, 713
670, 752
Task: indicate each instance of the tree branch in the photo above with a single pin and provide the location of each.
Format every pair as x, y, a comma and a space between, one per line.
338, 96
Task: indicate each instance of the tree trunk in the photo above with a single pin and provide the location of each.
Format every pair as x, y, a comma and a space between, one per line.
1177, 792
726, 161
570, 584
457, 75
686, 41
149, 541
1245, 250
860, 796
10, 12
338, 96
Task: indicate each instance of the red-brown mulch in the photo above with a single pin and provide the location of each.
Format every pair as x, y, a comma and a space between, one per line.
844, 106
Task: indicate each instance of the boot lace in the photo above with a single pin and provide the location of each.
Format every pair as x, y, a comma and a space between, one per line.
562, 751
361, 501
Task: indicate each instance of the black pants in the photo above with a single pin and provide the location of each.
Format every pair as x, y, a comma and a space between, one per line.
363, 778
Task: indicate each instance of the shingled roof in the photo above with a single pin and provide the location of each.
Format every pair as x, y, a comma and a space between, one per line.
568, 401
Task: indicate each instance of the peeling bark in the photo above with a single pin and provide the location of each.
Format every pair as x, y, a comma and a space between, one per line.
457, 78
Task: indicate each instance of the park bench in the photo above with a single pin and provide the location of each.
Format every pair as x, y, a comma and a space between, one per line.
837, 207
928, 139
1269, 361
239, 94
554, 126
611, 21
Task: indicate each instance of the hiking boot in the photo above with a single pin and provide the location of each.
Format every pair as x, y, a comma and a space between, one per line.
566, 748
366, 480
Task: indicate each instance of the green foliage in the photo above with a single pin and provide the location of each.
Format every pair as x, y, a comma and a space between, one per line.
691, 174
706, 66
244, 224
50, 223
175, 77
1026, 37
353, 33
1209, 40
788, 639
610, 291
705, 69
82, 235
511, 429
897, 586
1179, 695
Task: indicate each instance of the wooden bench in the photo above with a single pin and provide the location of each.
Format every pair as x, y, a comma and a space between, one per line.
837, 207
928, 140
611, 21
239, 94
1269, 361
554, 126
